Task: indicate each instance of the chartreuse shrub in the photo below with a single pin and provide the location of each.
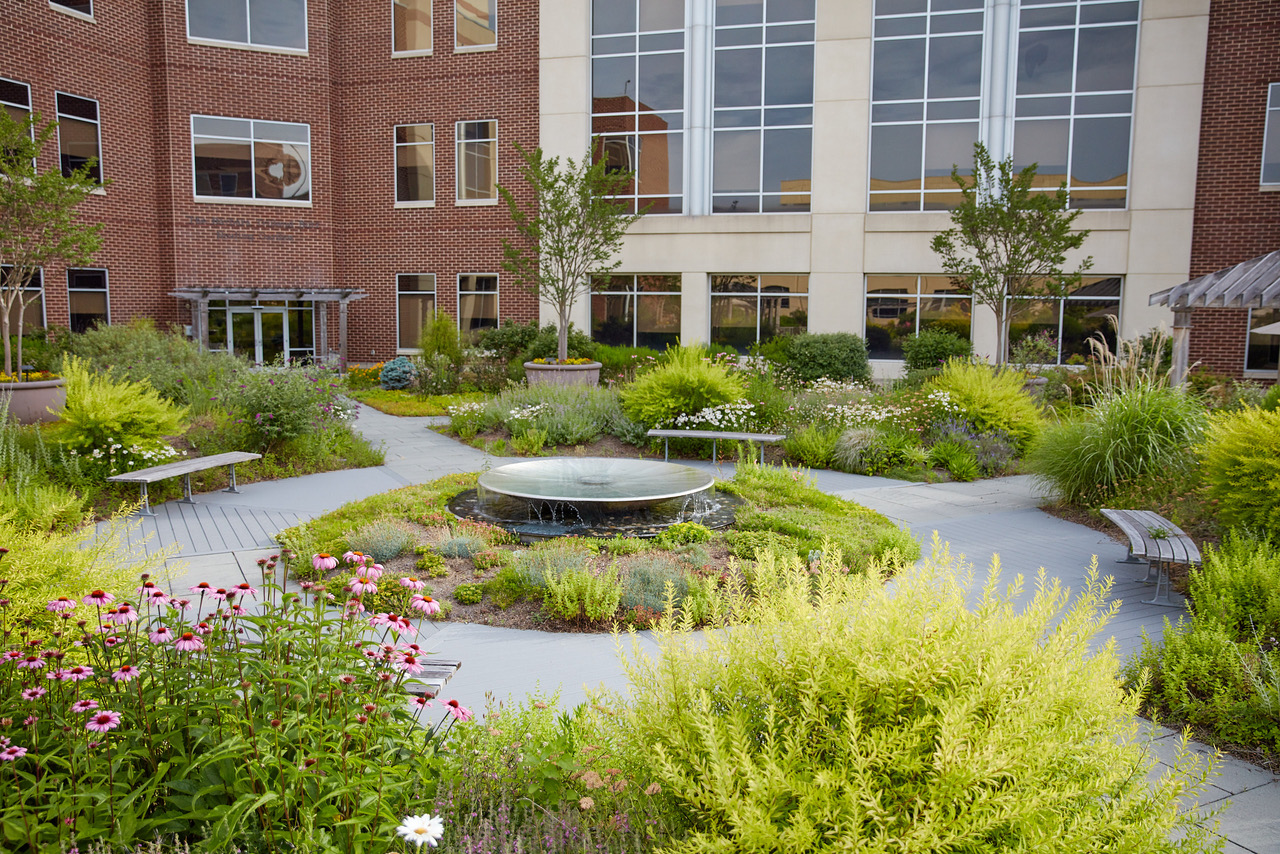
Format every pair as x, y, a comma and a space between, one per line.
116, 425
991, 400
1126, 435
1241, 468
900, 718
1220, 671
687, 381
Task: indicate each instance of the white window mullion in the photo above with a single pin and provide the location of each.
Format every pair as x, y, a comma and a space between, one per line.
1000, 63
699, 56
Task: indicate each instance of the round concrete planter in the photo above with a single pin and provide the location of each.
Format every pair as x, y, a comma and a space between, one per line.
30, 402
539, 374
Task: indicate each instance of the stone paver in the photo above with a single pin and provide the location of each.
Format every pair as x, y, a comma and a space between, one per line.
977, 520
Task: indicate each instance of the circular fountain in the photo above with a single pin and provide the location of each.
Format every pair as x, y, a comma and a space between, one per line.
594, 496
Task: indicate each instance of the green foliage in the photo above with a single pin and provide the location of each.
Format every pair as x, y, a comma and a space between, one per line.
106, 415
870, 451
1238, 587
568, 415
580, 595
1009, 239
653, 579
432, 565
435, 375
544, 344
509, 586
681, 534
623, 364
439, 337
993, 450
1122, 438
508, 340
686, 382
903, 719
468, 594
813, 445
1271, 400
838, 356
956, 458
383, 539
991, 400
529, 443
1241, 468
283, 402
570, 231
933, 348
464, 546
398, 373
43, 506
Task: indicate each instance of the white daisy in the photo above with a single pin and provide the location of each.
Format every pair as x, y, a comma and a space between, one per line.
422, 828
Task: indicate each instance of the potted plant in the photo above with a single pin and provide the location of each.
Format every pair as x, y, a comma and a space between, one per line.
38, 226
571, 231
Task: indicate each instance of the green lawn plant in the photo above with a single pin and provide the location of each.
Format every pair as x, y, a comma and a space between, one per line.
1241, 468
839, 356
991, 400
248, 717
933, 348
687, 382
901, 718
279, 403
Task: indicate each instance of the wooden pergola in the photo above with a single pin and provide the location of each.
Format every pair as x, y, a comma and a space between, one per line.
1250, 284
201, 297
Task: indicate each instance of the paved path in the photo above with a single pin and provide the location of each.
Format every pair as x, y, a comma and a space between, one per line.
222, 537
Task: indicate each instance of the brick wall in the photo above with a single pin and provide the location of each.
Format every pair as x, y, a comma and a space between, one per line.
135, 59
1234, 219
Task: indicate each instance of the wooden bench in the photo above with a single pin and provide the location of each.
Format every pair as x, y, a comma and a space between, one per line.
1157, 540
428, 683
185, 468
714, 436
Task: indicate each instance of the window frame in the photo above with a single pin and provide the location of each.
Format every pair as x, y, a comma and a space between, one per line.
458, 161
435, 294
1271, 132
26, 108
475, 48
633, 294
759, 295
432, 27
252, 199
1061, 303
497, 300
395, 166
915, 299
97, 123
1248, 336
106, 290
75, 13
250, 45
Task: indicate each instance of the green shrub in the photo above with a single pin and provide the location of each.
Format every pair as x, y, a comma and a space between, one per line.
383, 539
813, 445
956, 458
1241, 468
398, 373
869, 451
682, 534
1238, 586
468, 594
464, 546
283, 402
993, 451
1271, 400
439, 337
829, 355
509, 586
901, 718
1125, 436
933, 348
529, 443
436, 375
43, 506
580, 595
545, 344
432, 565
647, 581
991, 400
118, 424
622, 364
685, 383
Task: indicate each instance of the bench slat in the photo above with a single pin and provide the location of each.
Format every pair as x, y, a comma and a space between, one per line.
181, 467
716, 434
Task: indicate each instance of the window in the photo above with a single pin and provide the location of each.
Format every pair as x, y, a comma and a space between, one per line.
32, 299
416, 164
273, 24
1071, 321
475, 24
477, 162
477, 304
245, 159
263, 331
415, 302
1263, 351
84, 7
747, 309
636, 311
762, 151
87, 299
411, 26
1271, 139
78, 140
900, 307
15, 97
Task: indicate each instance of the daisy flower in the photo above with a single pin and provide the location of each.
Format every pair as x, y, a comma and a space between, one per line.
79, 673
245, 589
422, 830
409, 664
374, 571
9, 754
162, 634
412, 583
362, 585
126, 673
31, 662
353, 557
187, 642
103, 721
124, 614
459, 711
179, 605
33, 693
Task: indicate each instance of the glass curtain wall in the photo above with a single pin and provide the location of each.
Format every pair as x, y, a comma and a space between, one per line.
636, 311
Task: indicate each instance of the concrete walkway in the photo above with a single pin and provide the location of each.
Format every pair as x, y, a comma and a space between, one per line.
223, 536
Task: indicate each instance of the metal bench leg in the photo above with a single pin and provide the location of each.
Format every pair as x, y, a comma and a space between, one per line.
666, 450
715, 458
1153, 572
146, 510
1162, 573
232, 488
1132, 558
186, 484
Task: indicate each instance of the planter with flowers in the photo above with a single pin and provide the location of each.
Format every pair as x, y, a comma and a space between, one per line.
34, 396
562, 372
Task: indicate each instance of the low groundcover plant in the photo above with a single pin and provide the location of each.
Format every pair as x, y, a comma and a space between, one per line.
273, 719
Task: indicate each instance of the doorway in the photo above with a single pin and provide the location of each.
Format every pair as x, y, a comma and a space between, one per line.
264, 332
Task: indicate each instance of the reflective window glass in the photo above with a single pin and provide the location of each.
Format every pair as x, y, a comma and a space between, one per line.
415, 302
1263, 351
411, 26
477, 304
257, 23
1271, 138
746, 309
477, 161
415, 163
78, 141
475, 23
236, 158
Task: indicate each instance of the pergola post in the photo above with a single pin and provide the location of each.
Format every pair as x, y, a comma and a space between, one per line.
322, 333
342, 335
1181, 345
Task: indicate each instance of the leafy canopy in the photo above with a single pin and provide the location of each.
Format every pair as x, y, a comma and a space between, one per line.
1009, 240
571, 231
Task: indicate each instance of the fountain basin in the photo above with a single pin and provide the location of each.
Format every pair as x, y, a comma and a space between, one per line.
594, 496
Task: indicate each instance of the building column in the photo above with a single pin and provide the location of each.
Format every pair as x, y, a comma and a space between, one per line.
695, 308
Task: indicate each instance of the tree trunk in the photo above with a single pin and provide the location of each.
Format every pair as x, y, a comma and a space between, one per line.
6, 306
562, 343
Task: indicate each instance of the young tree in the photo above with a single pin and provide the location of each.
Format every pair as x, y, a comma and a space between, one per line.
1009, 241
38, 223
572, 231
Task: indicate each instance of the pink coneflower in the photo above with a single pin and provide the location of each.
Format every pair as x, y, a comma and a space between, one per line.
82, 706
158, 597
362, 585
180, 605
346, 679
103, 721
324, 562
425, 604
31, 662
62, 603
353, 557
220, 594
412, 583
30, 720
409, 664
422, 702
33, 693
203, 629
126, 673
112, 641
124, 614
354, 606
98, 597
374, 570
162, 634
9, 754
459, 711
371, 654
187, 642
12, 655
362, 719
150, 592
400, 625
79, 673
244, 589
202, 587
58, 675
